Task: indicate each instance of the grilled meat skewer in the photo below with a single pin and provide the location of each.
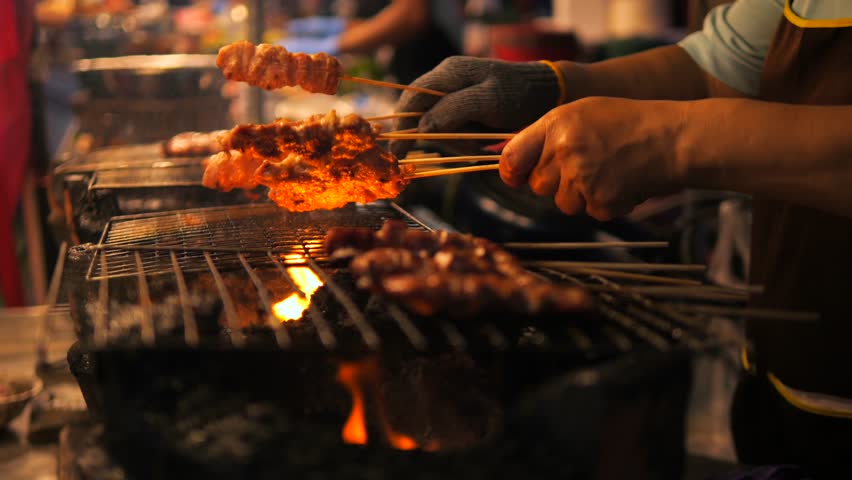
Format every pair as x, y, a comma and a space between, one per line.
450, 273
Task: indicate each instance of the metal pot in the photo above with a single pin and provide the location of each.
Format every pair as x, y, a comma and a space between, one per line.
150, 76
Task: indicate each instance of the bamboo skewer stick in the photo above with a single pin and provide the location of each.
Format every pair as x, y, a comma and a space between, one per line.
671, 267
698, 292
761, 313
640, 277
405, 131
404, 135
451, 171
439, 160
580, 245
392, 116
416, 155
398, 86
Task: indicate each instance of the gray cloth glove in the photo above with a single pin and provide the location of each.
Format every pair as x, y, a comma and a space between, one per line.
494, 94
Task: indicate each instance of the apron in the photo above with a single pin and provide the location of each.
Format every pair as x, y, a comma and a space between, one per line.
795, 407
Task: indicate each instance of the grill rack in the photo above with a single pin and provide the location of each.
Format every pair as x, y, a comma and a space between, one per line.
245, 239
93, 187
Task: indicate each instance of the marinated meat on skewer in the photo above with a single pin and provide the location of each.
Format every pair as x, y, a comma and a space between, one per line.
323, 162
449, 273
464, 295
272, 66
229, 170
346, 242
193, 144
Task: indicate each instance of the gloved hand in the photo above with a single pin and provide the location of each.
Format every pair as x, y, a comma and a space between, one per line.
316, 26
495, 94
311, 45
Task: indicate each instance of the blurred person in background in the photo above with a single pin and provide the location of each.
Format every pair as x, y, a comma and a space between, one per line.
16, 33
422, 32
759, 102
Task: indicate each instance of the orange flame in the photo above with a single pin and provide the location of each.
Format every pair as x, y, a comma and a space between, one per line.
292, 307
355, 428
355, 376
400, 441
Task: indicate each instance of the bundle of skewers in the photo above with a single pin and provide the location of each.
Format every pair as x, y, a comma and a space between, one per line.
327, 161
324, 161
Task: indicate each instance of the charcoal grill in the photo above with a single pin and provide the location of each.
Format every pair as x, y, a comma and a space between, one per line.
182, 356
248, 240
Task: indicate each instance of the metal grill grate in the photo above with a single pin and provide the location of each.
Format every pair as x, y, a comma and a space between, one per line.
245, 250
258, 232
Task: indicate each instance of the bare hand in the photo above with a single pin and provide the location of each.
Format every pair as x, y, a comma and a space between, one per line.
601, 155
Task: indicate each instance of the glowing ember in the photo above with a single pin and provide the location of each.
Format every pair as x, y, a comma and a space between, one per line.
356, 377
292, 307
400, 442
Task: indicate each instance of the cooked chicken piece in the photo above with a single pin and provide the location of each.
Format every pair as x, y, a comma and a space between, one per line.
272, 66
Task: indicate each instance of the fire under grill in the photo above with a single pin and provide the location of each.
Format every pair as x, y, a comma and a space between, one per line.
222, 342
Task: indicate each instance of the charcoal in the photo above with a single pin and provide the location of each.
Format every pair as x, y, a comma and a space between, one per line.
179, 416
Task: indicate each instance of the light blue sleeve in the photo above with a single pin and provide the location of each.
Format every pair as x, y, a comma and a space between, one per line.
733, 43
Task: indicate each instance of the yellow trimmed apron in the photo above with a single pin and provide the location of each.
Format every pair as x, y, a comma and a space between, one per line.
795, 405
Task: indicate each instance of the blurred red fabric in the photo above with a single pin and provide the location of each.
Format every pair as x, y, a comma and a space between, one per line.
16, 25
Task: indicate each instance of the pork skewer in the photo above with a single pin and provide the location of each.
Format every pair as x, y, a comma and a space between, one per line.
272, 67
322, 162
461, 275
193, 144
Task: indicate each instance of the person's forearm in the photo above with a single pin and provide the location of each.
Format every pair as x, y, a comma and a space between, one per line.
397, 23
797, 153
664, 73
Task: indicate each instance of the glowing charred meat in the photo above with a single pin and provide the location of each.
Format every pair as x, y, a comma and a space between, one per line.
272, 66
323, 162
450, 273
